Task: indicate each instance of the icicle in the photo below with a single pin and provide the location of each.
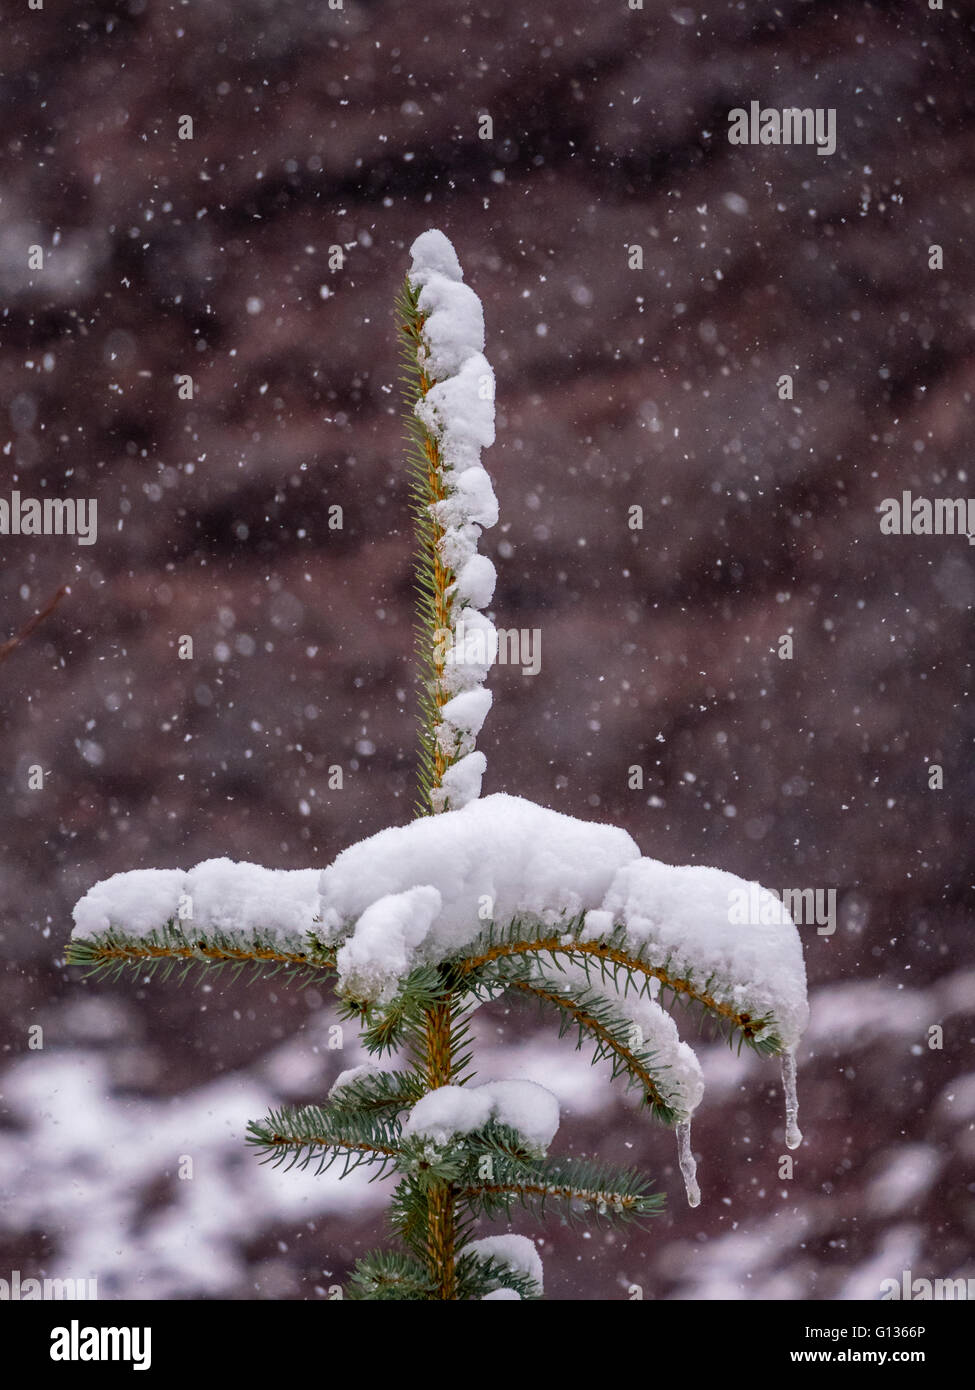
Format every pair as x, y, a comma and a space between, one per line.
688, 1167
793, 1134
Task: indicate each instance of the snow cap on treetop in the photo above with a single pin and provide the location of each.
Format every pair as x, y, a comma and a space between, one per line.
454, 405
433, 253
500, 854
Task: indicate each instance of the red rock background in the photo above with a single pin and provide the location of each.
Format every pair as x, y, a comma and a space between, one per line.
616, 387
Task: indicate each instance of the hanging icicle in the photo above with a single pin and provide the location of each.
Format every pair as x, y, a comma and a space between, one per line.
793, 1134
688, 1167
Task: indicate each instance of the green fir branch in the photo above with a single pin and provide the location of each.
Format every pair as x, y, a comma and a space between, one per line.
177, 951
409, 1213
392, 1091
618, 965
389, 1276
428, 1164
401, 1022
299, 1137
597, 1021
493, 1168
586, 1190
478, 1275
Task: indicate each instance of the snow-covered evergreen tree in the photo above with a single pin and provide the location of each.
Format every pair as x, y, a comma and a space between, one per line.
477, 897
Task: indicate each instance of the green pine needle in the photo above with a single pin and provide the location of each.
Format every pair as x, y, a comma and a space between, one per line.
177, 951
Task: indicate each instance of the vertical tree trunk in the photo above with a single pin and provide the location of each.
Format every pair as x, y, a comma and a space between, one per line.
429, 489
441, 1225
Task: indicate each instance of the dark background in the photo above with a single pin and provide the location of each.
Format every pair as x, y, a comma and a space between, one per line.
616, 387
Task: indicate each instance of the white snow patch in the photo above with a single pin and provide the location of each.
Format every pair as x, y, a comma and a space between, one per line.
517, 1252
83, 1162
898, 1250
472, 652
137, 902
466, 713
526, 1107
246, 897
454, 327
500, 854
217, 895
475, 582
433, 254
472, 499
460, 411
349, 1077
460, 784
457, 412
678, 917
382, 948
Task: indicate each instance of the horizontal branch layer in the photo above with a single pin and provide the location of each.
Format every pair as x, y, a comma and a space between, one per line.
325, 1133
592, 1021
564, 945
114, 951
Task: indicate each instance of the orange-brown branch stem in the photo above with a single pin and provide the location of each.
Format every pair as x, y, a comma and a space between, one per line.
615, 956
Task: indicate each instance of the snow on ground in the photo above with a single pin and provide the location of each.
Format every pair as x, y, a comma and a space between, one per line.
84, 1155
84, 1166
